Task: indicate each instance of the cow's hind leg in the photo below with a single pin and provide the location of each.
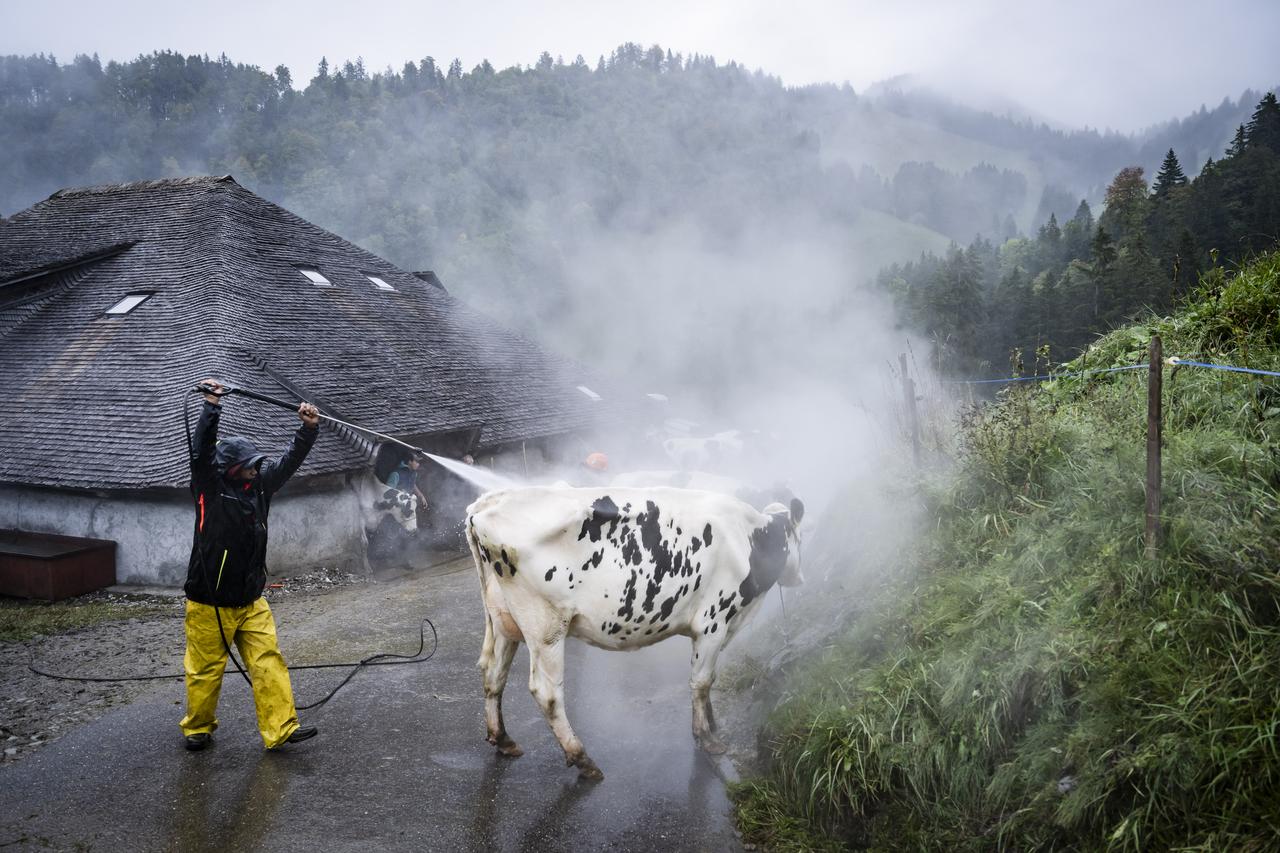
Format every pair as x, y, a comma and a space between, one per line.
706, 648
546, 683
496, 667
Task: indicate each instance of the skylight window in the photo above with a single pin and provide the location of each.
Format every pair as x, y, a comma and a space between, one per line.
378, 282
124, 306
315, 276
592, 394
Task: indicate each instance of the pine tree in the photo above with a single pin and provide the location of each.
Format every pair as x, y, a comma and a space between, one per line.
1263, 129
1077, 233
1104, 250
1169, 178
1236, 148
1049, 242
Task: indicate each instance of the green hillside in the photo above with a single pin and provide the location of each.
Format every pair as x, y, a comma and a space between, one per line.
1024, 678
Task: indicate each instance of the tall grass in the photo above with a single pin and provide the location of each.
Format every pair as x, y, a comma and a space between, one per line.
1035, 683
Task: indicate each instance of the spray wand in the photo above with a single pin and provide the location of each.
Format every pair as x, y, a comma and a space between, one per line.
293, 407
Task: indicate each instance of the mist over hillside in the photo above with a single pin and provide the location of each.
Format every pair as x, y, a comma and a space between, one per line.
601, 207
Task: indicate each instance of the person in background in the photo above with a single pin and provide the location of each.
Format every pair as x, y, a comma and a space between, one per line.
405, 478
232, 484
595, 470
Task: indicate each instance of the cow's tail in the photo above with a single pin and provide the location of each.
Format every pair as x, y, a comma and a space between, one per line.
486, 650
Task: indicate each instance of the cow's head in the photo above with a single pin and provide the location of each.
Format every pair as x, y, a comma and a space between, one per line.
775, 551
791, 574
401, 506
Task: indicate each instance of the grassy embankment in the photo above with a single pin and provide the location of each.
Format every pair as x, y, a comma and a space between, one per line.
1033, 682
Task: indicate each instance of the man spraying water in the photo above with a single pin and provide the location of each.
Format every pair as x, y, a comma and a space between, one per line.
232, 485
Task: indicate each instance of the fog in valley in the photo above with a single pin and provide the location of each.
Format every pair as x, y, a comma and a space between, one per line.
677, 221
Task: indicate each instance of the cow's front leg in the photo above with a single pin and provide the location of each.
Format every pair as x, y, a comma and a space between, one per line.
546, 683
364, 551
706, 648
496, 668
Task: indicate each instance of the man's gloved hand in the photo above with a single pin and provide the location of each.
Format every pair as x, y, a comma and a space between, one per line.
217, 386
310, 415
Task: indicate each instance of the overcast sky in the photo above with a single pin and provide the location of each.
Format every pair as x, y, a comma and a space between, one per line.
1100, 63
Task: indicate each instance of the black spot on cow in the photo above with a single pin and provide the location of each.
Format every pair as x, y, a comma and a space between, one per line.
650, 525
768, 558
550, 573
603, 511
593, 561
668, 605
630, 549
697, 543
733, 611
615, 629
497, 567
697, 582
511, 565
706, 534
626, 611
651, 590
714, 626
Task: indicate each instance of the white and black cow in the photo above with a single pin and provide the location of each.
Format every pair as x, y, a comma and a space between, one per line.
620, 568
377, 501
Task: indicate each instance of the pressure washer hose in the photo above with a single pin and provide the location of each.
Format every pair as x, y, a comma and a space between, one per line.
378, 659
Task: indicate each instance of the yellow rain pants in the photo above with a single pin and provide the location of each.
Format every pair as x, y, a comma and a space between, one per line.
253, 630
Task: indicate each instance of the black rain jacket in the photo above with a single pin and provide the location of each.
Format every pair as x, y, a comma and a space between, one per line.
228, 555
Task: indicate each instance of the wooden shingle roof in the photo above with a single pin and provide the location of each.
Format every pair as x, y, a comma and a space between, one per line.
91, 400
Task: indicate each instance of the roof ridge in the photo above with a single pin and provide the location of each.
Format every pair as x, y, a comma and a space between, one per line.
216, 239
157, 183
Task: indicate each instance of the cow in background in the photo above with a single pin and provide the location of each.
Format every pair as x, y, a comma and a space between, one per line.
702, 454
705, 482
378, 501
620, 568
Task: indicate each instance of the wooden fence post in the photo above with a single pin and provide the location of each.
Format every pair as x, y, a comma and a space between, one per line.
909, 399
1155, 379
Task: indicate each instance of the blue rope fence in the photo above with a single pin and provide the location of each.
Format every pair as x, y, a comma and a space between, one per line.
1180, 362
1173, 361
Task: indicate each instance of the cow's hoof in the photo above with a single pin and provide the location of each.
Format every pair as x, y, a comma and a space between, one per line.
586, 767
589, 771
506, 746
712, 744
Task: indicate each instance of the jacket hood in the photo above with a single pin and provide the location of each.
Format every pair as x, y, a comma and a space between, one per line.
236, 450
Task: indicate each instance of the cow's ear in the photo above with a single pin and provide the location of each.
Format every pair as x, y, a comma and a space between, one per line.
797, 510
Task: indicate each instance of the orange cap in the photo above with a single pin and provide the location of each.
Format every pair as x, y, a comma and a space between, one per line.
598, 461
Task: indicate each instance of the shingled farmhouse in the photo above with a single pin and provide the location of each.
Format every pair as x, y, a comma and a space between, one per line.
114, 300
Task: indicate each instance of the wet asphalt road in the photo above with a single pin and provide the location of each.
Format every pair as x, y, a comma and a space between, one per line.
400, 762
